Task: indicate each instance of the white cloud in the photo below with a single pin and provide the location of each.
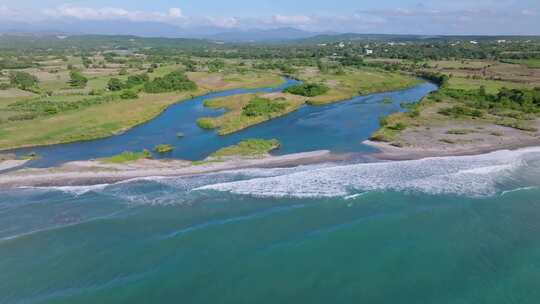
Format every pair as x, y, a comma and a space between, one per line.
527, 12
478, 19
175, 12
292, 20
226, 22
9, 13
111, 13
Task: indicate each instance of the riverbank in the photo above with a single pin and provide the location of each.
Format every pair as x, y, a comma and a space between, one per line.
97, 172
12, 163
430, 146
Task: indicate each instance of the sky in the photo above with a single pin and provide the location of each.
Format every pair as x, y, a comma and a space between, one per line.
361, 16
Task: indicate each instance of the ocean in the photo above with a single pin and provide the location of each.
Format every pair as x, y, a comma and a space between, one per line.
440, 230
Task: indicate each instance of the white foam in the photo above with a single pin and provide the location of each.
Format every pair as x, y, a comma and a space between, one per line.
74, 190
466, 175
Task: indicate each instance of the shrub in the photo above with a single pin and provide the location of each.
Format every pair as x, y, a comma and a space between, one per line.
128, 94
459, 111
205, 123
127, 156
134, 80
398, 127
23, 80
307, 89
115, 84
174, 81
77, 80
261, 106
383, 121
216, 65
163, 148
248, 147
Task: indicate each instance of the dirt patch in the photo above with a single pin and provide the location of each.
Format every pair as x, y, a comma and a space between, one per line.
15, 93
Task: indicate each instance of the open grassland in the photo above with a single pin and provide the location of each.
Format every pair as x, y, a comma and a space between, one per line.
354, 82
530, 63
235, 118
494, 75
89, 123
492, 86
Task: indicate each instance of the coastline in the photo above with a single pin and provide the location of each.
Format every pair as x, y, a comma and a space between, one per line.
86, 173
393, 153
12, 164
96, 172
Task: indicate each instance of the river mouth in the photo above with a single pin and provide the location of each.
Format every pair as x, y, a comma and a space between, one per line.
340, 128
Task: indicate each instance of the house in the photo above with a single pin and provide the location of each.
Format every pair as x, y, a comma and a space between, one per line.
369, 52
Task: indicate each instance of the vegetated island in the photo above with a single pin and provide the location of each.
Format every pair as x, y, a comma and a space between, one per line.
319, 87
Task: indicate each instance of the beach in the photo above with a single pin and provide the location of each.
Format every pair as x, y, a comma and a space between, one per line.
95, 172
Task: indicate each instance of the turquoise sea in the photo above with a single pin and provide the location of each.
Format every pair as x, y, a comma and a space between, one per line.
440, 230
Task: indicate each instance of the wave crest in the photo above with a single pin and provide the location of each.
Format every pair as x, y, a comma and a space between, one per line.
466, 175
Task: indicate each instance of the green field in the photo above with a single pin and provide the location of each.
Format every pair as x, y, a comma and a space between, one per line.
530, 63
354, 82
492, 86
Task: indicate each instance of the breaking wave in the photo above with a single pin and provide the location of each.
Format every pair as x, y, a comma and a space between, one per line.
475, 176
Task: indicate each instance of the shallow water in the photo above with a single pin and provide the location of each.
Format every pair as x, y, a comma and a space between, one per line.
339, 127
440, 230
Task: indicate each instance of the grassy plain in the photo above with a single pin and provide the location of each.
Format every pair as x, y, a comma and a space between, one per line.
354, 82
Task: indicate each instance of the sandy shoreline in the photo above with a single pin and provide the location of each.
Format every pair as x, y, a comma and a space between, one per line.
93, 172
85, 173
12, 163
389, 152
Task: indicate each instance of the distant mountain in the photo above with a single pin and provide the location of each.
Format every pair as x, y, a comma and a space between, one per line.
280, 34
153, 29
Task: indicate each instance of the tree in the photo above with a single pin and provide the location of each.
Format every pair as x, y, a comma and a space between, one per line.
128, 94
216, 65
77, 80
23, 80
115, 84
174, 81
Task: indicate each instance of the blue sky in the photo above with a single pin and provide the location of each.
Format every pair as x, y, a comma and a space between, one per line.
365, 16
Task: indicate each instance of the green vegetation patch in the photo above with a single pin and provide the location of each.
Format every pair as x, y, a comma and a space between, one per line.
126, 157
248, 147
23, 80
163, 148
173, 82
307, 89
259, 106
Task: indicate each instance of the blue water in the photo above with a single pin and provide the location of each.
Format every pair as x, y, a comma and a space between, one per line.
448, 230
339, 127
